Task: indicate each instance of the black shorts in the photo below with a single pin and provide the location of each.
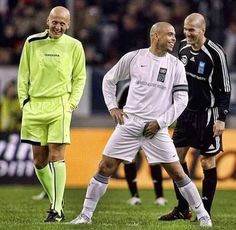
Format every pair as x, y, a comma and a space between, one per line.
195, 129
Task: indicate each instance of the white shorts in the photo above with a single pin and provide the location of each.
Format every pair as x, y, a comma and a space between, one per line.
127, 139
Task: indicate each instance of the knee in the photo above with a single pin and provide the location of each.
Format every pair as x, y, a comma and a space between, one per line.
40, 156
176, 172
208, 162
54, 156
179, 175
107, 167
40, 163
56, 152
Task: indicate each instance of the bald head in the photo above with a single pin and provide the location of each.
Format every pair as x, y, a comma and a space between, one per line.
194, 30
58, 21
159, 27
162, 37
60, 11
197, 19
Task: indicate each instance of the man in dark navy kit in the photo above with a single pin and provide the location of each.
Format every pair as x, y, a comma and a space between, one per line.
202, 123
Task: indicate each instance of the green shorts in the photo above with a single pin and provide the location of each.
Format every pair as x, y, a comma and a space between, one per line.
46, 121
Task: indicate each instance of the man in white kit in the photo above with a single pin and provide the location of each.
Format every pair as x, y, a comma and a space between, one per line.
158, 94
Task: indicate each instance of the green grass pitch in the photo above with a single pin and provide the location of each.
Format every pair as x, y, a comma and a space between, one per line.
20, 212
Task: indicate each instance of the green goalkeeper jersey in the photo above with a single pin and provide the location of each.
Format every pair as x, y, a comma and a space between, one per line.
51, 68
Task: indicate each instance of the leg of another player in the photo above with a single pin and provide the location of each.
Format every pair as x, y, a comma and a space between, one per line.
130, 170
131, 178
42, 195
157, 178
209, 182
96, 189
189, 191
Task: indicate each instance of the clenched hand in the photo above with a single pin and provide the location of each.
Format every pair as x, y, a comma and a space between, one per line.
150, 129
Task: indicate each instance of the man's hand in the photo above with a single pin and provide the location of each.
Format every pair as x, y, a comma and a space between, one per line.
150, 129
218, 128
117, 115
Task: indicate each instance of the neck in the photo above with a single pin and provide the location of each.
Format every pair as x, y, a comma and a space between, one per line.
157, 52
199, 44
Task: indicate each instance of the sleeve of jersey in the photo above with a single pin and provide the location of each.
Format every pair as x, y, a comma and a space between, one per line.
78, 76
180, 98
23, 75
117, 73
222, 85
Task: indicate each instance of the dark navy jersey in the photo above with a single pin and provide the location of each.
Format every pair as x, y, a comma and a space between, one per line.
207, 76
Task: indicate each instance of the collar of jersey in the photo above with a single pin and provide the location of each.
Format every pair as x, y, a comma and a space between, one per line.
157, 57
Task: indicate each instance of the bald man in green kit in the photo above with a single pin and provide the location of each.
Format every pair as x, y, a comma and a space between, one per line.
51, 80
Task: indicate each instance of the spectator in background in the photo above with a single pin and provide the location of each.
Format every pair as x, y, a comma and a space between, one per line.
89, 32
130, 37
10, 112
230, 42
105, 51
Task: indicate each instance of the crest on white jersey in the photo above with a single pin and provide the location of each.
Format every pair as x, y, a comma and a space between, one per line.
162, 74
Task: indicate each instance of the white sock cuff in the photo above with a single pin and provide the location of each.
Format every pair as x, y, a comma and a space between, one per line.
101, 178
186, 180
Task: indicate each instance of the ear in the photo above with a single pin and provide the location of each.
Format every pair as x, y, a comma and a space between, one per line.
204, 30
48, 21
68, 25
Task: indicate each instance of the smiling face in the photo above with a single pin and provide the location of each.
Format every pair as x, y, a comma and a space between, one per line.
162, 36
194, 30
167, 38
58, 22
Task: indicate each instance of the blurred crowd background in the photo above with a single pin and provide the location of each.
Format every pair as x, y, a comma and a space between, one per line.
110, 28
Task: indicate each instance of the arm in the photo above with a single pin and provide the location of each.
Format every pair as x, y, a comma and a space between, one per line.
120, 71
24, 76
180, 98
78, 76
222, 90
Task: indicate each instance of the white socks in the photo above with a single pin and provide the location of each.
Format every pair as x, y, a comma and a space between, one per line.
191, 194
96, 189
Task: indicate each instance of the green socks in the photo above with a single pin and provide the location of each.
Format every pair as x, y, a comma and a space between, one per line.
46, 179
59, 178
53, 179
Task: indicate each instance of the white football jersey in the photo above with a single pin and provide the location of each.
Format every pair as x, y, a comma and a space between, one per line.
158, 86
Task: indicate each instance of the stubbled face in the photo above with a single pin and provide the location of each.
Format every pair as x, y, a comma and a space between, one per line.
167, 39
193, 32
58, 24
